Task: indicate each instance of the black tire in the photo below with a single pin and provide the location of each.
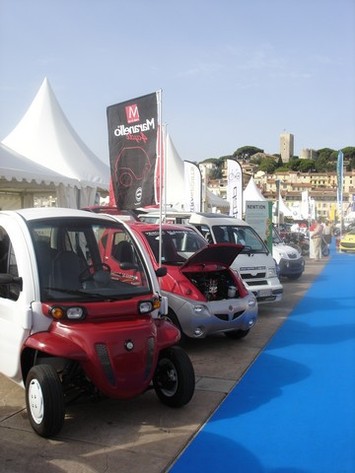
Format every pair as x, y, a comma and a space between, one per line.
45, 400
174, 378
294, 276
237, 334
325, 251
305, 249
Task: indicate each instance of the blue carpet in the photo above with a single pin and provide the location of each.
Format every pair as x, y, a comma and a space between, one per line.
294, 409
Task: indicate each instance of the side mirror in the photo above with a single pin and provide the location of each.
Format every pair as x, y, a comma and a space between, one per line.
162, 271
6, 278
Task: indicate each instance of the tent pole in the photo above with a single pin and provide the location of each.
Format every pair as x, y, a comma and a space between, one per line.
161, 157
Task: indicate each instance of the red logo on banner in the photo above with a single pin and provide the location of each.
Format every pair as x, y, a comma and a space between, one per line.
132, 113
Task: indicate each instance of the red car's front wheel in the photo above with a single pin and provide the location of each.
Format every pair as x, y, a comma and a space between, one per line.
45, 400
174, 378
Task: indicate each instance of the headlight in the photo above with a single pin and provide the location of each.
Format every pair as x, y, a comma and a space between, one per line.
71, 313
271, 272
199, 308
75, 313
145, 307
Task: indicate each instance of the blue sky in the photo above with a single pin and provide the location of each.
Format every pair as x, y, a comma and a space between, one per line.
233, 72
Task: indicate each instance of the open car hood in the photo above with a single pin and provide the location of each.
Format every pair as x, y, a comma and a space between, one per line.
218, 253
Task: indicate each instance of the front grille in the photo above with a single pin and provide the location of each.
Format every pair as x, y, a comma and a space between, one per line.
102, 353
291, 265
264, 299
253, 276
257, 283
227, 317
238, 314
348, 245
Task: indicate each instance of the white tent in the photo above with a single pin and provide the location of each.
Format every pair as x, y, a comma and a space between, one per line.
21, 179
174, 176
215, 201
175, 189
45, 136
252, 193
284, 209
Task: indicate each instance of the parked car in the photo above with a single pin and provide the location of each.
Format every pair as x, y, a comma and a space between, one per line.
255, 264
347, 242
204, 295
69, 324
290, 262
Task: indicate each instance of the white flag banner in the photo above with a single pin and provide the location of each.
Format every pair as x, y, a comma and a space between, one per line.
235, 188
305, 207
192, 188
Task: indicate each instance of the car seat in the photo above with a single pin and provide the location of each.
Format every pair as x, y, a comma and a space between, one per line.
66, 269
123, 252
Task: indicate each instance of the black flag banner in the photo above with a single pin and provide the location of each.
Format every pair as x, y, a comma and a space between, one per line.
134, 141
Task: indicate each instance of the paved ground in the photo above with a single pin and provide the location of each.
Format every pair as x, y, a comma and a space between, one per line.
139, 435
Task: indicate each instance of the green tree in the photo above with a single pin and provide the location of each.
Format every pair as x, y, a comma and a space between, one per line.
294, 163
268, 165
306, 165
349, 157
246, 152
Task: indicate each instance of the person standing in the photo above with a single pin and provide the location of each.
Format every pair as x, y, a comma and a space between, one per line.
316, 237
327, 233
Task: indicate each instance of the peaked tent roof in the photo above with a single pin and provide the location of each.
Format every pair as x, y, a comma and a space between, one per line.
45, 136
174, 188
175, 180
252, 192
284, 209
214, 200
15, 169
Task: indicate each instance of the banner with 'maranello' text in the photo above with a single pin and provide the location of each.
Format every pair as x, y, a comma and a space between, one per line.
134, 147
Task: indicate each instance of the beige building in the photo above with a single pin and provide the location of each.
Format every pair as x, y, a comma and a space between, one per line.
321, 187
307, 153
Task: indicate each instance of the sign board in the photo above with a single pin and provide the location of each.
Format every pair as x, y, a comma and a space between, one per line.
259, 216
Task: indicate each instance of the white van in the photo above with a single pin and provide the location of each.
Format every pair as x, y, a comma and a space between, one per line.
255, 263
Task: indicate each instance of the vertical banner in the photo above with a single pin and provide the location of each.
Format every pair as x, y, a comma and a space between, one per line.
259, 216
305, 207
192, 187
235, 188
134, 129
277, 206
340, 184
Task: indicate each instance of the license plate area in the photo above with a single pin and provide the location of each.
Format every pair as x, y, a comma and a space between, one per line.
264, 292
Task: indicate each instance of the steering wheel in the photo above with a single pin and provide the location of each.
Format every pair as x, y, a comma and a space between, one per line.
89, 272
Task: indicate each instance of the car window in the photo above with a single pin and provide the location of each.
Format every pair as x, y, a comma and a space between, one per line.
73, 262
177, 245
276, 238
243, 235
8, 264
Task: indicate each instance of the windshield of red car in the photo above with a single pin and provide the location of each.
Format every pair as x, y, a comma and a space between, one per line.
84, 259
177, 244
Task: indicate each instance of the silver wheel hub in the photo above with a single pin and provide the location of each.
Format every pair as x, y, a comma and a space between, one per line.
35, 398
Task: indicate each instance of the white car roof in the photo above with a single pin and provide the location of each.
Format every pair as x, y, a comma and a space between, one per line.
216, 219
52, 212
